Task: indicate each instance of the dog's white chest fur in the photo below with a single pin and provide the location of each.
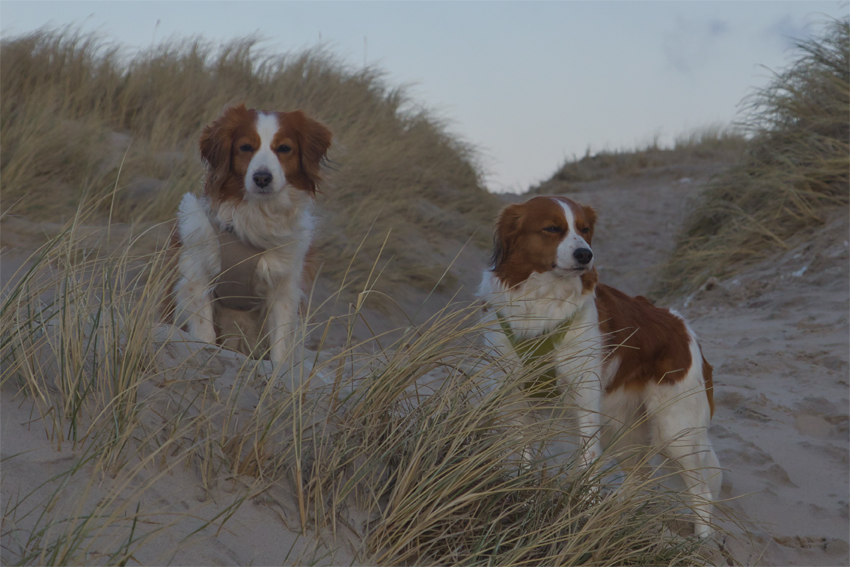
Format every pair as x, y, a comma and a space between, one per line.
284, 240
541, 304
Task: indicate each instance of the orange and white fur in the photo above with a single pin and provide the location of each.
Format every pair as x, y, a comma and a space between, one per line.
629, 365
263, 169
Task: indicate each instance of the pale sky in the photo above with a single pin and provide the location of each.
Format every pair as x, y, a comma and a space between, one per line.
529, 84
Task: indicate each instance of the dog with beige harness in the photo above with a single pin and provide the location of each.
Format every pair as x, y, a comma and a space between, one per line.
243, 247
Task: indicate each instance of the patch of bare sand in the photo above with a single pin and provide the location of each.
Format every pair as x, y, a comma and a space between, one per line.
778, 337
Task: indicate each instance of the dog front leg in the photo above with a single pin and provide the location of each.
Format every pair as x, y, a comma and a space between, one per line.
588, 396
282, 314
194, 309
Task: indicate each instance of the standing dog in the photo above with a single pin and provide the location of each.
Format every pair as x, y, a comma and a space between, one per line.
627, 363
243, 245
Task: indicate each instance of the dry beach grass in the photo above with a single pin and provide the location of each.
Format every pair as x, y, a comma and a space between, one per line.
793, 174
125, 441
383, 454
91, 111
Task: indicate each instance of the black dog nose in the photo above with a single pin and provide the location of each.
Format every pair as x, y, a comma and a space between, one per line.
583, 255
262, 178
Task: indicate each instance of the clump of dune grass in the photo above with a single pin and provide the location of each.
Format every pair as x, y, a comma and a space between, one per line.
710, 144
794, 172
77, 110
406, 446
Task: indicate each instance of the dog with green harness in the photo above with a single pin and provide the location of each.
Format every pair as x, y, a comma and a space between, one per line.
539, 294
634, 373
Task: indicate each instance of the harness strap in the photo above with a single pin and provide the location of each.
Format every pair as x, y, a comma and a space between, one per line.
235, 288
533, 352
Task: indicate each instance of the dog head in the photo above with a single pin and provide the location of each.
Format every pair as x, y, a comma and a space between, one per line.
544, 234
254, 154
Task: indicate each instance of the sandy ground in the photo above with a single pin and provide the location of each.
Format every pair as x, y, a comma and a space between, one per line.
777, 335
230, 521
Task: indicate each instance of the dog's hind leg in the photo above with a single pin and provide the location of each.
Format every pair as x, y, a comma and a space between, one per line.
679, 417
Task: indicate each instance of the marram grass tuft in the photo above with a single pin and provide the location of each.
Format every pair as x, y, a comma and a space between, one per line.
79, 115
794, 171
406, 448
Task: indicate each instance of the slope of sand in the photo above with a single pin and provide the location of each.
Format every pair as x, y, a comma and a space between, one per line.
778, 338
230, 521
777, 335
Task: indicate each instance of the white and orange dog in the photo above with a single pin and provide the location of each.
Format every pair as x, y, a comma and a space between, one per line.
630, 366
244, 244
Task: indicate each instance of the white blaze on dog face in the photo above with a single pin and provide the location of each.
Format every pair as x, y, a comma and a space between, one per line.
255, 155
265, 175
574, 252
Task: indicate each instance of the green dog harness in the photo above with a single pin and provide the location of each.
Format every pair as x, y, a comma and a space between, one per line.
533, 352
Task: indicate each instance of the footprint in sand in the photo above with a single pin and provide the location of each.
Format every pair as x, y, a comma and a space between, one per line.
777, 475
741, 451
832, 546
820, 418
814, 426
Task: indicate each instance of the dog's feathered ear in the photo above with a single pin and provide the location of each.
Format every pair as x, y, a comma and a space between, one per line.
215, 144
314, 140
505, 233
590, 216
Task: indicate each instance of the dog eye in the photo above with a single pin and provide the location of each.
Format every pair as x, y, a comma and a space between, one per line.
585, 230
284, 149
552, 229
246, 148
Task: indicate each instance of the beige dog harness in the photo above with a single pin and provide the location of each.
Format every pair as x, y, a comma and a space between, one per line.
236, 287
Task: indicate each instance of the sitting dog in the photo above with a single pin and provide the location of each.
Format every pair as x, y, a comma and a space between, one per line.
243, 246
630, 366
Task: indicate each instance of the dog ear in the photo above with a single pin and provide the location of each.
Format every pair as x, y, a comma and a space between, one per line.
507, 228
314, 140
590, 216
215, 144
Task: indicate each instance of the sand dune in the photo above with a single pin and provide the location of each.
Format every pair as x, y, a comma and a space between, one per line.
777, 335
